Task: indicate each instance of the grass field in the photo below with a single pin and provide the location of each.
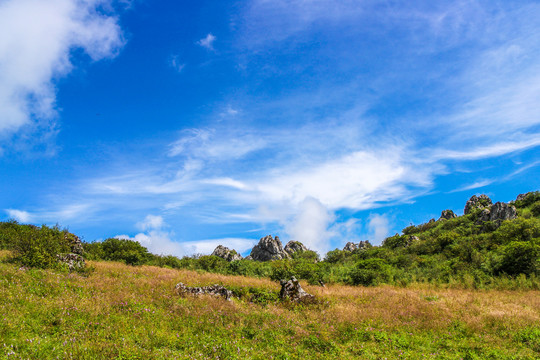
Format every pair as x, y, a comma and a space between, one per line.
124, 312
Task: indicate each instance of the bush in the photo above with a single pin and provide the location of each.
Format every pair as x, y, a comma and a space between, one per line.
38, 247
371, 272
127, 251
520, 257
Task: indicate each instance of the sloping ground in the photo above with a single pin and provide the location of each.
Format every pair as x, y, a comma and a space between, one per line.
126, 312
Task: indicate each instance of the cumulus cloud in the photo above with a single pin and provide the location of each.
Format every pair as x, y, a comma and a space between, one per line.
155, 238
36, 41
207, 42
310, 225
379, 226
19, 215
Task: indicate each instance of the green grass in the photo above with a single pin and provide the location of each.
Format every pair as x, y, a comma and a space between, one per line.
124, 312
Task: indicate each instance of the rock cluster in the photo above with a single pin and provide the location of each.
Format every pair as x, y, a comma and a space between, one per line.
226, 253
447, 214
214, 290
74, 260
293, 247
293, 291
270, 248
477, 202
362, 245
497, 213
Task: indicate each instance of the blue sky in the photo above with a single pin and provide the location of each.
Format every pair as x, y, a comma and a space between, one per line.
188, 124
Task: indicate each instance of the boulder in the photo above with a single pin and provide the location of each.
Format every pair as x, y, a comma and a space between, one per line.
447, 214
477, 202
75, 243
226, 253
268, 249
362, 245
73, 261
213, 290
497, 213
293, 291
293, 247
502, 211
350, 246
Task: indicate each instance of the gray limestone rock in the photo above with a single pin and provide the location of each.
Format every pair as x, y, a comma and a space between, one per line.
502, 211
226, 253
293, 247
477, 202
73, 261
213, 290
362, 245
350, 246
268, 249
293, 291
447, 214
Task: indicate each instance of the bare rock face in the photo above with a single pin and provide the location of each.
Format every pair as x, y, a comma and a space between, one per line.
350, 246
268, 249
73, 261
226, 253
293, 291
293, 247
477, 202
213, 290
447, 214
502, 211
362, 245
522, 197
497, 213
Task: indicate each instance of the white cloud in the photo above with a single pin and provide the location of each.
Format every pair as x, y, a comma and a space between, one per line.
176, 64
206, 247
311, 225
19, 215
207, 42
151, 222
379, 225
36, 40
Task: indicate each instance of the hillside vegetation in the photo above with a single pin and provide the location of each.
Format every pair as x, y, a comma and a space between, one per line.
126, 312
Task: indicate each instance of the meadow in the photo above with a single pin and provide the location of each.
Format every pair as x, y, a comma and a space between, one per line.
118, 311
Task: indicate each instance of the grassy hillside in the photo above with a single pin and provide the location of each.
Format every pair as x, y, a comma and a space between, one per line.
126, 312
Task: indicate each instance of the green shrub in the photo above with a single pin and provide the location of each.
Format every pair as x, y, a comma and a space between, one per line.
38, 247
520, 257
127, 251
371, 272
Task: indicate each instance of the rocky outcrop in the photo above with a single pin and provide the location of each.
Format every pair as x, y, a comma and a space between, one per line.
268, 249
497, 213
294, 247
362, 245
293, 291
477, 202
447, 214
226, 253
522, 197
73, 261
501, 211
350, 246
213, 290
